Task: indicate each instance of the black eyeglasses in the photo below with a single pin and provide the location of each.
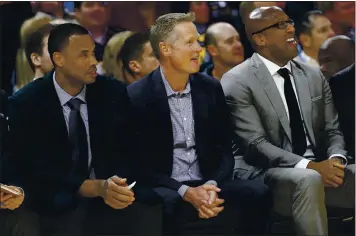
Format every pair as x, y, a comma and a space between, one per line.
279, 25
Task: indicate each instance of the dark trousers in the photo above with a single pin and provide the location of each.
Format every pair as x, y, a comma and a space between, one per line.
247, 206
92, 219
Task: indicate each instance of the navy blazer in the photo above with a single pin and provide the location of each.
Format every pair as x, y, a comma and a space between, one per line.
39, 150
155, 136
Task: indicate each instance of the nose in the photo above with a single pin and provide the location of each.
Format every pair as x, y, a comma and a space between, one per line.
290, 28
197, 47
93, 61
331, 33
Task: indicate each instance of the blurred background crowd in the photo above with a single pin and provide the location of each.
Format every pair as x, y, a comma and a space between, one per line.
119, 30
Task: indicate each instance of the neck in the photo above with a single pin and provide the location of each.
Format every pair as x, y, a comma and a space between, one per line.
38, 74
220, 69
176, 79
311, 53
67, 84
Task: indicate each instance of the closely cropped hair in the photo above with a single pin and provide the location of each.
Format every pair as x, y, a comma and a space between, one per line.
60, 35
132, 49
164, 26
305, 26
34, 43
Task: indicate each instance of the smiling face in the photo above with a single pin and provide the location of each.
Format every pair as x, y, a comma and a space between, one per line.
183, 49
278, 44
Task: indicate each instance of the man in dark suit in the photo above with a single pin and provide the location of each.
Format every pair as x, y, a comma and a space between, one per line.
342, 86
184, 133
284, 115
69, 138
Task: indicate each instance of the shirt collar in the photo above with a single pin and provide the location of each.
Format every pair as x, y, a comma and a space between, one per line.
169, 89
272, 67
63, 96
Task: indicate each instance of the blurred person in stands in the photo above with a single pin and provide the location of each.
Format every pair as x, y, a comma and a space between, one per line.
24, 73
287, 126
337, 62
70, 137
183, 134
341, 14
335, 54
311, 32
137, 57
53, 9
110, 65
36, 50
224, 47
95, 16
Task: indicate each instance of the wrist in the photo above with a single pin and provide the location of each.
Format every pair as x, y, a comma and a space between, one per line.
312, 165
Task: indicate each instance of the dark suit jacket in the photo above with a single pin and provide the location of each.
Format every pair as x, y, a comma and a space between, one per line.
342, 86
155, 135
39, 148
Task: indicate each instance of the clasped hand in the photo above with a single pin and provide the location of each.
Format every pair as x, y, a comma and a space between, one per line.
205, 199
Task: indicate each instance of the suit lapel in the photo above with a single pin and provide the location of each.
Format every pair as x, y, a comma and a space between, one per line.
304, 98
270, 88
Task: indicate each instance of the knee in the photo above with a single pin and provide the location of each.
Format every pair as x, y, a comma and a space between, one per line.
310, 179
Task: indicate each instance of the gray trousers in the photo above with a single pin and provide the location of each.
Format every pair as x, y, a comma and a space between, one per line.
300, 193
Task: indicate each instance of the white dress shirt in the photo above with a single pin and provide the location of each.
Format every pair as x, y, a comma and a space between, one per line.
279, 80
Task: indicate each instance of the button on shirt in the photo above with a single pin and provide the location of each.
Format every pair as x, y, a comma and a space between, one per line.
185, 161
279, 80
64, 97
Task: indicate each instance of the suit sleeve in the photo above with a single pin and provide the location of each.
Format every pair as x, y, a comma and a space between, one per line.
247, 126
223, 138
23, 146
336, 143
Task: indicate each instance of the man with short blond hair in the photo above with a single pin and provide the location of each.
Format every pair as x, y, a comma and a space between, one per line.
183, 127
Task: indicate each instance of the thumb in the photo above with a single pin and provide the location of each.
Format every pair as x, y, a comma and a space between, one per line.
211, 187
118, 180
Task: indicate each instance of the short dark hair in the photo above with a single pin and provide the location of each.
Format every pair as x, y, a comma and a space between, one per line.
132, 49
77, 5
34, 42
306, 25
210, 38
60, 35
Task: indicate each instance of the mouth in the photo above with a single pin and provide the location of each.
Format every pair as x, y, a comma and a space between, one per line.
93, 73
292, 41
195, 60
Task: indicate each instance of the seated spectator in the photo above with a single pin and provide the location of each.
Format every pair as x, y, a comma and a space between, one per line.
36, 50
70, 137
183, 134
110, 66
342, 86
285, 122
224, 47
53, 9
311, 32
335, 54
137, 58
24, 73
94, 16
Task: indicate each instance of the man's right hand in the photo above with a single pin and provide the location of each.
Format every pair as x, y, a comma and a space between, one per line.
330, 170
115, 193
197, 195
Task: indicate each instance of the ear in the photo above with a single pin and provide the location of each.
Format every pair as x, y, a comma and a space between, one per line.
135, 66
213, 51
36, 59
259, 39
58, 59
165, 49
305, 40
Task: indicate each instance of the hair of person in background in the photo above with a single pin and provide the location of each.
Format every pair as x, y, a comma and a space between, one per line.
24, 73
306, 25
34, 43
163, 27
59, 37
132, 50
110, 64
247, 7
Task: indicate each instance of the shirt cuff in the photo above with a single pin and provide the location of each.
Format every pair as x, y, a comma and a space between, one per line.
302, 164
212, 182
182, 190
340, 156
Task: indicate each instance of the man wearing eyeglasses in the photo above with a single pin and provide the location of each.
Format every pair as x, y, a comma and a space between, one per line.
286, 123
